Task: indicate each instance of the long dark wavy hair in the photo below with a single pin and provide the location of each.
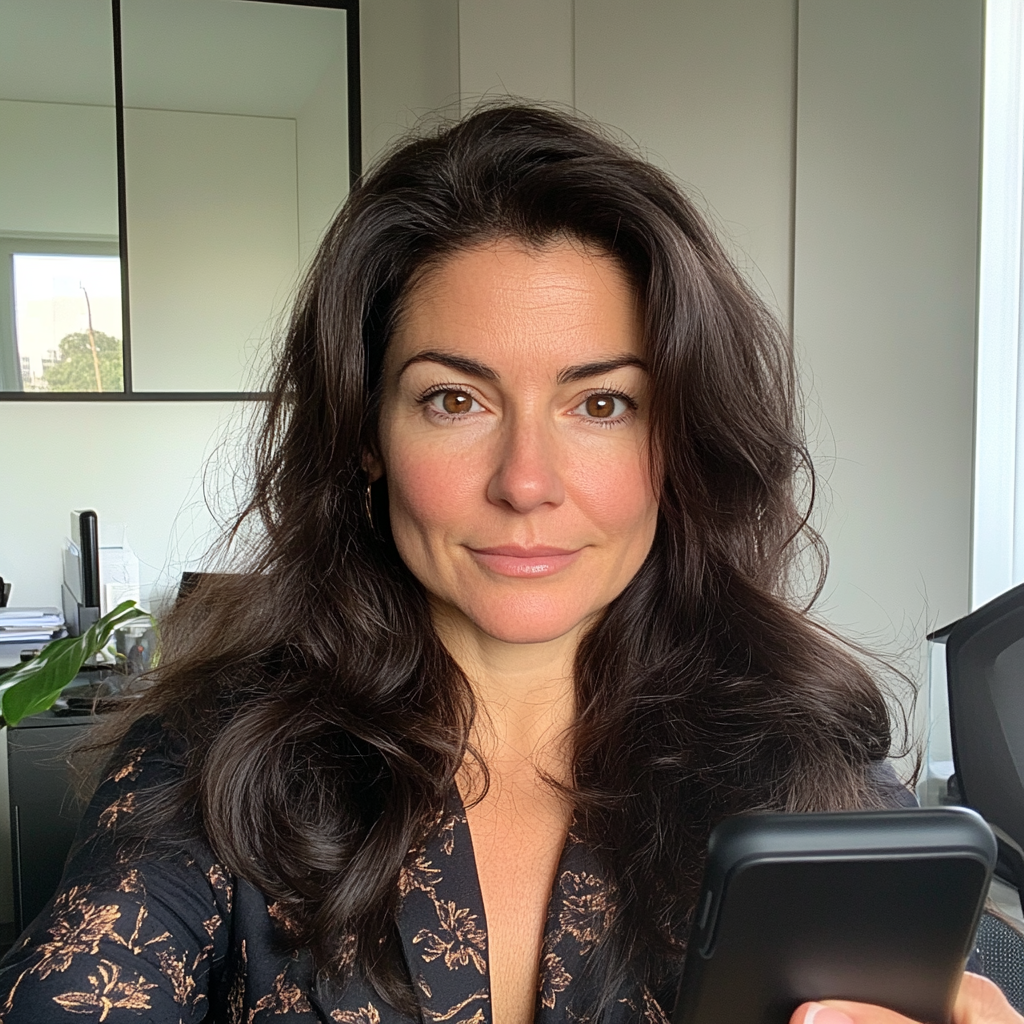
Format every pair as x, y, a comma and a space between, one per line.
324, 721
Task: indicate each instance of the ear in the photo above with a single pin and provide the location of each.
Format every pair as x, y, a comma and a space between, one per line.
372, 466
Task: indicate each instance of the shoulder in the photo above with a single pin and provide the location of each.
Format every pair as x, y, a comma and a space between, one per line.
127, 929
889, 790
123, 846
146, 763
143, 925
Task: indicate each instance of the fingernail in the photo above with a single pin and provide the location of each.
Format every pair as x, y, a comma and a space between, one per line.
819, 1014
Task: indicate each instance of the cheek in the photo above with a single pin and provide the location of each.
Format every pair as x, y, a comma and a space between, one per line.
617, 495
427, 490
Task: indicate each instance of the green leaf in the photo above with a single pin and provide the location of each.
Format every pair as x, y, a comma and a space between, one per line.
36, 684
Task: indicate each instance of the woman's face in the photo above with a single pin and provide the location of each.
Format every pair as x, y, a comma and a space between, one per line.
513, 432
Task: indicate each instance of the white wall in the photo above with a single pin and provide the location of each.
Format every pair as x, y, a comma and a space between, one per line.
410, 66
135, 463
879, 173
521, 49
705, 88
887, 213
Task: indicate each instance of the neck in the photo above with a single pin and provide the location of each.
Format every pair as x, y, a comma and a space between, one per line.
524, 693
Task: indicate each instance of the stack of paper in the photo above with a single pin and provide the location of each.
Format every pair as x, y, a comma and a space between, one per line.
30, 625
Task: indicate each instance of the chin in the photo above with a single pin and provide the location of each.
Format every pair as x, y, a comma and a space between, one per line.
528, 625
526, 634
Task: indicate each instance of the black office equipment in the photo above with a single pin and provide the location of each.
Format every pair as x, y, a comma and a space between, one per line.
190, 580
985, 677
85, 534
874, 906
80, 591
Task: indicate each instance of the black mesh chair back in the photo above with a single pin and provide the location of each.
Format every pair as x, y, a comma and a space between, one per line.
985, 676
999, 955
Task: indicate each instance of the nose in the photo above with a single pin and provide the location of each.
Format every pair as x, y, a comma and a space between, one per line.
527, 474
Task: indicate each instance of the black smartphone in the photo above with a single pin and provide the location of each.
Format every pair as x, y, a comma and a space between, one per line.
874, 906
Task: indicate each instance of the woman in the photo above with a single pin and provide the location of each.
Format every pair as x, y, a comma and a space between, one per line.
515, 630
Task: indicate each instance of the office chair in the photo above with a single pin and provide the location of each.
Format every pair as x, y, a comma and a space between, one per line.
999, 952
985, 677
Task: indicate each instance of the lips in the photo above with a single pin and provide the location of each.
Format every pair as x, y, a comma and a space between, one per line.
531, 562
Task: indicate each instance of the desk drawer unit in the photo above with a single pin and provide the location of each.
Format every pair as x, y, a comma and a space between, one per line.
44, 810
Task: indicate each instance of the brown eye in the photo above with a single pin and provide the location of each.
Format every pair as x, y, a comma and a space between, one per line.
455, 402
600, 406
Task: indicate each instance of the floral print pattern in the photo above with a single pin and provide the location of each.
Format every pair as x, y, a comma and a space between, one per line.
579, 914
457, 939
586, 908
367, 1014
108, 991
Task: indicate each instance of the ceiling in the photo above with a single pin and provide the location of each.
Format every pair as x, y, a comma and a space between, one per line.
223, 56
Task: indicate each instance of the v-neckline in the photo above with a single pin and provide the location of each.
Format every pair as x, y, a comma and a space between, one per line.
443, 926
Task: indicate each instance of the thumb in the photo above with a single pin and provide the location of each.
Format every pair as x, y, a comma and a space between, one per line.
819, 1013
839, 1011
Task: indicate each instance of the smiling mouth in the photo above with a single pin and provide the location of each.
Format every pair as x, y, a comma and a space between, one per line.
510, 560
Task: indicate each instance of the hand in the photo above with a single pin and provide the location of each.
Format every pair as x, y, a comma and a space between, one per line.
979, 1001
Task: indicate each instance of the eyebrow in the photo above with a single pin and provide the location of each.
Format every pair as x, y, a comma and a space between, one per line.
453, 362
477, 369
585, 370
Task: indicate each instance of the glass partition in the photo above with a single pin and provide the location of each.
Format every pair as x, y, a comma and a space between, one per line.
167, 168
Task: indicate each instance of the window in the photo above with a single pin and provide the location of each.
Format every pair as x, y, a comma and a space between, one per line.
998, 527
57, 290
66, 325
997, 555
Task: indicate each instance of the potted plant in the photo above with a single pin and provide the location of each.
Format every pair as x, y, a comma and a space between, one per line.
34, 685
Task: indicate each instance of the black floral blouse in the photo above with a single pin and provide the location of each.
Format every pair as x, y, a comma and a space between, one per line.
179, 939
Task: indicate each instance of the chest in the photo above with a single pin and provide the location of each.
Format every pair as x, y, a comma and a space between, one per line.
518, 835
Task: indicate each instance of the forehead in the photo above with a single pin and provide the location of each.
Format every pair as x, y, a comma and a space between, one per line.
527, 305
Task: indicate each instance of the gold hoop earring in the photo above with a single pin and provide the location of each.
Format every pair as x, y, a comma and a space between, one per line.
368, 505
